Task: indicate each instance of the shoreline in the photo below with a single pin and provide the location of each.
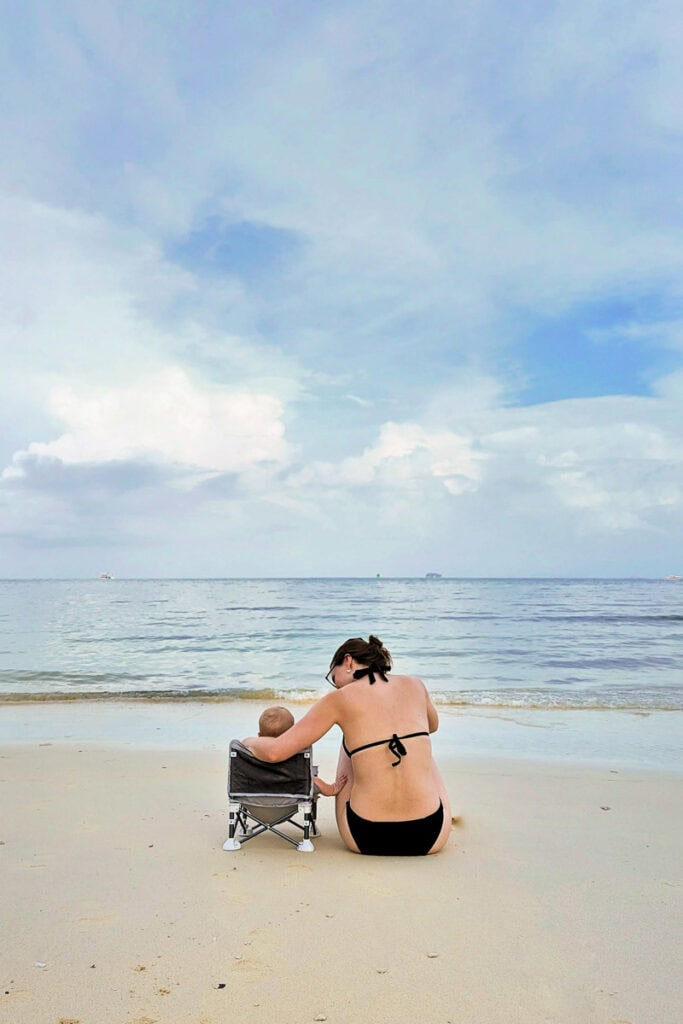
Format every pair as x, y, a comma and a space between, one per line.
514, 699
555, 900
648, 739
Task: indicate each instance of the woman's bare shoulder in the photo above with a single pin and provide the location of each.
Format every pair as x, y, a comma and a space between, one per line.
414, 686
412, 681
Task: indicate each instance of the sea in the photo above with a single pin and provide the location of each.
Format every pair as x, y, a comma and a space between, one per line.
550, 644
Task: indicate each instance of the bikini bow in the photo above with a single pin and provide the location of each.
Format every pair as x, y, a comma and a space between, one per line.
397, 749
370, 673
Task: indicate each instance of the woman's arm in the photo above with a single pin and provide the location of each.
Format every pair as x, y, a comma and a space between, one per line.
432, 713
303, 733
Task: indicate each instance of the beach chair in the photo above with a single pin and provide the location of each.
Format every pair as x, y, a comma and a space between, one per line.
264, 796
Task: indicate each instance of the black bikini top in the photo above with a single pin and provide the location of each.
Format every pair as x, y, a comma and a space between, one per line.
394, 744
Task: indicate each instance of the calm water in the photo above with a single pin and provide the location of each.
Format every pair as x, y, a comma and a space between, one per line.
522, 643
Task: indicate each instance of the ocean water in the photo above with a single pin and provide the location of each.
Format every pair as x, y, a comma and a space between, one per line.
549, 644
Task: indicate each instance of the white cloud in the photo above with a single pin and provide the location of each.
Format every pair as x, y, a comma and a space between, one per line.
102, 298
166, 417
568, 486
111, 353
404, 455
617, 463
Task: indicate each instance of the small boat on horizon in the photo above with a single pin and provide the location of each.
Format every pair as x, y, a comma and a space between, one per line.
106, 576
433, 576
673, 577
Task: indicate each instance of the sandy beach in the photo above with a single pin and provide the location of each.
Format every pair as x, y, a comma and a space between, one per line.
556, 901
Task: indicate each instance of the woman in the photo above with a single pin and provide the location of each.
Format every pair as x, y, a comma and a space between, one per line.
393, 800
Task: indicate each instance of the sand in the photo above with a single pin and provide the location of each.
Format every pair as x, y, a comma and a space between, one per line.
558, 900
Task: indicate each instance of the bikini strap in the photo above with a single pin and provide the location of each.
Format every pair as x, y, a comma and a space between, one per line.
394, 744
370, 672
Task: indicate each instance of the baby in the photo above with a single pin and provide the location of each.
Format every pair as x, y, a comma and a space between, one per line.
276, 720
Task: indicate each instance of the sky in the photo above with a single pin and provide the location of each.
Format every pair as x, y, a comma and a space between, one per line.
337, 288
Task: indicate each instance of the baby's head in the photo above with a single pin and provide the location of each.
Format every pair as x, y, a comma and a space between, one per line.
274, 721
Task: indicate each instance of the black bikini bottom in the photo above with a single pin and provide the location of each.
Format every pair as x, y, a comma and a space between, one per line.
412, 838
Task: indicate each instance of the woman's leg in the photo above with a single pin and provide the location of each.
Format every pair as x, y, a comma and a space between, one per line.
344, 767
443, 835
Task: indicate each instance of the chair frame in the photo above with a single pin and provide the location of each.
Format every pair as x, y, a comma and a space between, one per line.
246, 810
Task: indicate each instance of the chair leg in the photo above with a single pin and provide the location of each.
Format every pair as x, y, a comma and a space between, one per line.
315, 831
243, 828
306, 846
233, 814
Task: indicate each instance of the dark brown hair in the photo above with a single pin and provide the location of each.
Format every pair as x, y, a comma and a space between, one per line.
370, 652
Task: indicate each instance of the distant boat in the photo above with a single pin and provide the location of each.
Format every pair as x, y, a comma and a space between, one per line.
673, 577
106, 576
433, 576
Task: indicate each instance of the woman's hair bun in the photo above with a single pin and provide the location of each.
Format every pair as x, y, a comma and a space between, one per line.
379, 651
367, 652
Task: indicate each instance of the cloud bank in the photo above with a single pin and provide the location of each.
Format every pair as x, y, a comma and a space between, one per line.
327, 287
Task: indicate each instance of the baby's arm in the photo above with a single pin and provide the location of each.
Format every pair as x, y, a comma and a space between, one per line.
329, 788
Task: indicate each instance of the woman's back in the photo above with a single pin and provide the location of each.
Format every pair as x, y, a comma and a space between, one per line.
370, 713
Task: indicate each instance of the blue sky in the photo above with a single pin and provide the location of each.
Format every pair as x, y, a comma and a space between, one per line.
339, 288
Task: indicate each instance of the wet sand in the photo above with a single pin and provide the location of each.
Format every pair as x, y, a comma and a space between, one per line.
558, 899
